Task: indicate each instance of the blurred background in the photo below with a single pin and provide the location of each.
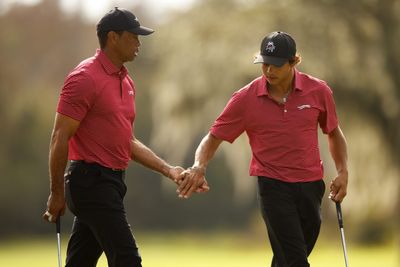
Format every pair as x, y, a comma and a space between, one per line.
202, 51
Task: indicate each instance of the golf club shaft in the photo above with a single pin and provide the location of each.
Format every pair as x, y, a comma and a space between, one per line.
58, 230
340, 220
344, 247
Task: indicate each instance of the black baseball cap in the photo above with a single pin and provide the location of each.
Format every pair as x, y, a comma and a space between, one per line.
276, 49
120, 19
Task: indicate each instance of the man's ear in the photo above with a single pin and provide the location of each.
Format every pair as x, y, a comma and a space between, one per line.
112, 37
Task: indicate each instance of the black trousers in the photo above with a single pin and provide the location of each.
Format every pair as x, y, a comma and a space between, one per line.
95, 196
292, 214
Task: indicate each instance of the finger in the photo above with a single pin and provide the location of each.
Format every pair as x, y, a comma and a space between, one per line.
199, 185
182, 185
332, 186
333, 194
47, 216
190, 185
202, 190
340, 195
183, 192
189, 192
181, 176
204, 187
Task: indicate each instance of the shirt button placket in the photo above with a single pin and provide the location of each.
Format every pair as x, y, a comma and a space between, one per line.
284, 110
120, 83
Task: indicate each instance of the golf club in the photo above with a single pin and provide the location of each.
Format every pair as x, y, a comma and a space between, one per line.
58, 230
340, 220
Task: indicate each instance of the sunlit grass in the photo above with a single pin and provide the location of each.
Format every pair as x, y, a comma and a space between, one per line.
195, 250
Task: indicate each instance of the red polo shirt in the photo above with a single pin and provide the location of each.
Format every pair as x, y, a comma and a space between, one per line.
102, 98
283, 137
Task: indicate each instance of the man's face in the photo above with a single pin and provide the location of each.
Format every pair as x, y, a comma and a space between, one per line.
127, 46
277, 75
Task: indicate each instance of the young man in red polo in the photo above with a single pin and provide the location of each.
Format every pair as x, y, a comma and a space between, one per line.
280, 113
94, 130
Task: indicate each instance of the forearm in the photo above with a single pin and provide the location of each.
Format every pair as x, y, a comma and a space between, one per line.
338, 150
145, 156
205, 151
58, 158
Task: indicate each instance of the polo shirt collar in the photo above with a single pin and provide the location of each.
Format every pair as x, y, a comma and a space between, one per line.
263, 85
108, 66
298, 81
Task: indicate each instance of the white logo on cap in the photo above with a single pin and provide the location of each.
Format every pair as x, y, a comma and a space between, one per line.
270, 47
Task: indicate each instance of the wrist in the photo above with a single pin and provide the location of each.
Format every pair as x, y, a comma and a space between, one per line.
198, 169
166, 171
343, 172
57, 194
57, 188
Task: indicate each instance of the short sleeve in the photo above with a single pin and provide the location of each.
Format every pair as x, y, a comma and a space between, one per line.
328, 120
231, 123
76, 96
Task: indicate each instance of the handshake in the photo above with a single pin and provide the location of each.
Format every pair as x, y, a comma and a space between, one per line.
189, 181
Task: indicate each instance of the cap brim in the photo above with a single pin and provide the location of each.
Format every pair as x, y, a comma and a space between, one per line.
141, 30
276, 61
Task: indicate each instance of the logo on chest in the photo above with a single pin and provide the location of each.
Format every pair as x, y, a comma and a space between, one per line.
131, 92
303, 107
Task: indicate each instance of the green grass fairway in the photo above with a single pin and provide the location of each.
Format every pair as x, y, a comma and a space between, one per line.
194, 250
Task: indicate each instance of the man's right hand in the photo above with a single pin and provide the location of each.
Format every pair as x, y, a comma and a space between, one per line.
192, 180
55, 207
178, 175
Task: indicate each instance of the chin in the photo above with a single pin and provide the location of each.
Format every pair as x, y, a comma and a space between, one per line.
273, 81
132, 58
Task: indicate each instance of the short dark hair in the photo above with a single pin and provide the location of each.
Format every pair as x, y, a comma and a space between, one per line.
103, 36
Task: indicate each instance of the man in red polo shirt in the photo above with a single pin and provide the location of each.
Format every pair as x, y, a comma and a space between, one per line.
280, 113
94, 130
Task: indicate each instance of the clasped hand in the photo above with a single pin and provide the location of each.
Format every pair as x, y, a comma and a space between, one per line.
189, 181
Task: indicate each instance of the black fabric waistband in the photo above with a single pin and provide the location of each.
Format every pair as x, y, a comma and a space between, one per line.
284, 182
97, 165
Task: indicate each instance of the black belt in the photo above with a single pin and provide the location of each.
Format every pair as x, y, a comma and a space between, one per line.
96, 164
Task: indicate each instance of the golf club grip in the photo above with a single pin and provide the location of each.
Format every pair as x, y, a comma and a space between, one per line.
339, 214
58, 225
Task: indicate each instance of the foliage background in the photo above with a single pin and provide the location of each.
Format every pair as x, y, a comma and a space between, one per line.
185, 74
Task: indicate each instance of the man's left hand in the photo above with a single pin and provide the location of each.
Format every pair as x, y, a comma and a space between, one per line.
338, 187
